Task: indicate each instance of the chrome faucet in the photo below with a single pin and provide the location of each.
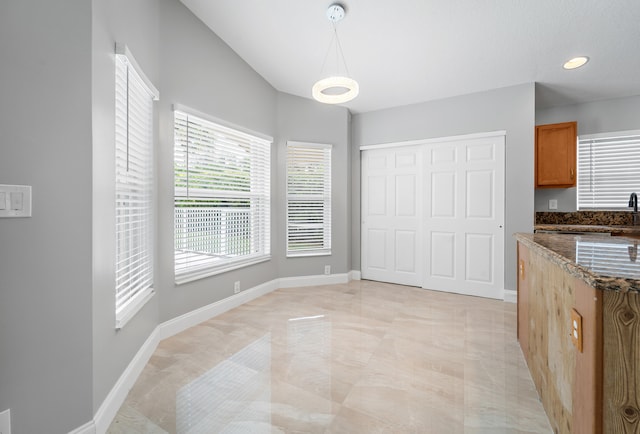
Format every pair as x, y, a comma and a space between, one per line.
633, 203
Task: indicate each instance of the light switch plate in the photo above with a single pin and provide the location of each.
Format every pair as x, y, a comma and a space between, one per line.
5, 422
576, 329
16, 200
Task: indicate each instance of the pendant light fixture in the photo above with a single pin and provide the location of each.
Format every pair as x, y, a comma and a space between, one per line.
335, 89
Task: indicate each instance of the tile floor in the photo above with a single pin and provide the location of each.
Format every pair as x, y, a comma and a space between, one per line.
363, 357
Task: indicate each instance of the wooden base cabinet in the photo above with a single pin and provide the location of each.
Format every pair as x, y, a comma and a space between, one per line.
592, 391
587, 386
621, 362
523, 299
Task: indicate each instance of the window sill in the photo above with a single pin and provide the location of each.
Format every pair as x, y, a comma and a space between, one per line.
123, 317
306, 254
190, 276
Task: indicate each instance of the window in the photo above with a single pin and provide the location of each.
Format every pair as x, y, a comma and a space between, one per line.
222, 195
134, 186
608, 169
308, 199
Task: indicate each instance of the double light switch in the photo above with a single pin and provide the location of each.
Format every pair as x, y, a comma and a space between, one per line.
15, 200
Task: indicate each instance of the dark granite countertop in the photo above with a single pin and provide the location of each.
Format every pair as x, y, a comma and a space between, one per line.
607, 263
612, 229
603, 217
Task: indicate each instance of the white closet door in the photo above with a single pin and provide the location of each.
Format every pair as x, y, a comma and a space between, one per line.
392, 240
464, 216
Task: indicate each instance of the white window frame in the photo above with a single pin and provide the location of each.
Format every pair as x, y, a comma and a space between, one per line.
206, 240
134, 139
305, 198
608, 170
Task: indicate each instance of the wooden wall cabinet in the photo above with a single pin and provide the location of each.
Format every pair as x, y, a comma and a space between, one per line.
555, 155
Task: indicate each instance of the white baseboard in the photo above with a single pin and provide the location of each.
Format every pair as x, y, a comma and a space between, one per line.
195, 317
320, 279
87, 428
114, 400
118, 393
510, 296
355, 275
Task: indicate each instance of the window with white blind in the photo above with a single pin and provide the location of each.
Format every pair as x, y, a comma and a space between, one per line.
134, 186
308, 199
222, 197
608, 169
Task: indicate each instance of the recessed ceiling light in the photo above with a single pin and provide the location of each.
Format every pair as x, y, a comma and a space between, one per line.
576, 62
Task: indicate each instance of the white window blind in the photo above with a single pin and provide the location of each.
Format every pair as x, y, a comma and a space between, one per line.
222, 197
608, 169
308, 199
134, 186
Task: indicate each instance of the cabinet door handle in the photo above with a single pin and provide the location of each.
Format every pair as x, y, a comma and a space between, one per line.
521, 269
571, 173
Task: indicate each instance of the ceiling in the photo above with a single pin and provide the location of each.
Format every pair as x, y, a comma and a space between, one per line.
410, 51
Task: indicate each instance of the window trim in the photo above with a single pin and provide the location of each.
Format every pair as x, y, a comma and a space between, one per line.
142, 295
123, 50
225, 124
204, 271
326, 250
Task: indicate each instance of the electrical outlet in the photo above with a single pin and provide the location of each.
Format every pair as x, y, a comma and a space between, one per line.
236, 287
5, 422
327, 269
553, 203
576, 329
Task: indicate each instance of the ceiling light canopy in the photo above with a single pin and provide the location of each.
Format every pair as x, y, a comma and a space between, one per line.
576, 62
336, 88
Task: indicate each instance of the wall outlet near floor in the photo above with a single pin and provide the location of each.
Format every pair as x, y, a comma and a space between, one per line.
327, 269
5, 422
553, 203
236, 287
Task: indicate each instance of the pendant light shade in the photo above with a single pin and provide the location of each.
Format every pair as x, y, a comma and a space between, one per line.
324, 90
336, 88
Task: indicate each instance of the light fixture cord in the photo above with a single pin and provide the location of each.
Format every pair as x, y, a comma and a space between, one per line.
339, 53
326, 56
339, 48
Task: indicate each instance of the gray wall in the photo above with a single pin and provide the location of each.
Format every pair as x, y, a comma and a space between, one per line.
136, 25
190, 66
45, 260
612, 115
60, 354
201, 72
304, 120
511, 109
